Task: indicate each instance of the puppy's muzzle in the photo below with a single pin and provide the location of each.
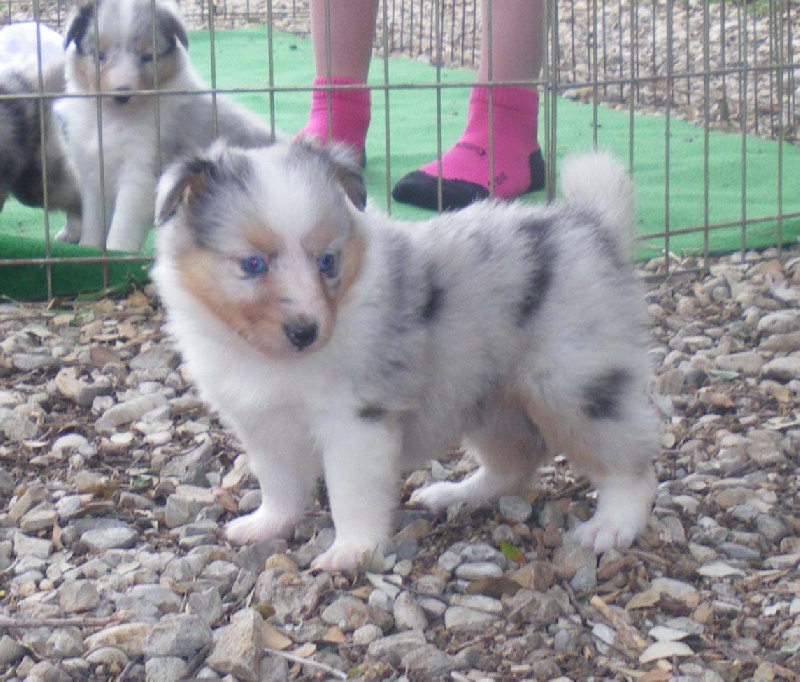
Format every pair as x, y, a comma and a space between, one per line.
301, 334
122, 97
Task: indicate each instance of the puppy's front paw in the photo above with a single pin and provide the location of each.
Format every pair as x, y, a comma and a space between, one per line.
438, 496
604, 531
345, 556
68, 235
258, 526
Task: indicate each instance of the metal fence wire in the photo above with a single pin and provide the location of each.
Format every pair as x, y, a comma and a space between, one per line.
725, 65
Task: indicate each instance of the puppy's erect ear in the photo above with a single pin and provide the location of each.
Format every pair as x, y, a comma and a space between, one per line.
347, 170
177, 184
342, 165
172, 25
79, 24
193, 179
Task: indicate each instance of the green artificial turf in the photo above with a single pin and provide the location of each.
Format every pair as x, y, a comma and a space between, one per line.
242, 63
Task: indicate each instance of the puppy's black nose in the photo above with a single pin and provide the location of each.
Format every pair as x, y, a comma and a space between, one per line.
301, 335
122, 98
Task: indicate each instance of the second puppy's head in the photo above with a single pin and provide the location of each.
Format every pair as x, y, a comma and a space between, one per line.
267, 239
125, 45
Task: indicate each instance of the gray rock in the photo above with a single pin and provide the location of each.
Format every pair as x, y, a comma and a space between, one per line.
367, 634
64, 643
783, 369
28, 362
7, 482
128, 412
237, 647
206, 605
748, 363
346, 612
514, 508
462, 618
166, 669
478, 570
391, 649
585, 578
112, 658
568, 558
408, 614
780, 322
156, 358
429, 661
103, 539
26, 546
293, 600
38, 519
11, 651
190, 468
18, 428
181, 635
478, 602
78, 595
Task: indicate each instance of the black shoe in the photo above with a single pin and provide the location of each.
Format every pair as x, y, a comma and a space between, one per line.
420, 189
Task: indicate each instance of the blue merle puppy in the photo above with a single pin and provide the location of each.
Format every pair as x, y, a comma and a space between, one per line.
339, 342
31, 144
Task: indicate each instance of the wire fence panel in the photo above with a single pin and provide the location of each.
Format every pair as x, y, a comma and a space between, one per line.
724, 67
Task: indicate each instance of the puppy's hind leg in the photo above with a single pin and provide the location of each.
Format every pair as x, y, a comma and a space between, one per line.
612, 440
508, 446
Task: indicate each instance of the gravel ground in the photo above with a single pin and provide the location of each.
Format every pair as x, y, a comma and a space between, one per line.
115, 482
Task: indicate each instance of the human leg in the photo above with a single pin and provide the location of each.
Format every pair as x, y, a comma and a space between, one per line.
511, 50
342, 35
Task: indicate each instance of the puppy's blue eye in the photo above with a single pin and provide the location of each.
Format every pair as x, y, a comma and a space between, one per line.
327, 264
146, 58
101, 56
252, 266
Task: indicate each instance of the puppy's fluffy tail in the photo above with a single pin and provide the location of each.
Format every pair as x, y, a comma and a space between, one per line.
599, 184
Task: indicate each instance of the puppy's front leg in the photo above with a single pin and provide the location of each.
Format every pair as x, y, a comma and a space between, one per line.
286, 465
133, 212
360, 460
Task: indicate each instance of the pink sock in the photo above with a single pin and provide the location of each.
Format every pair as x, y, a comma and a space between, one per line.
350, 114
518, 166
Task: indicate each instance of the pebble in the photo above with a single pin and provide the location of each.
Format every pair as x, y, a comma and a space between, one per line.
178, 635
237, 647
78, 595
103, 539
408, 614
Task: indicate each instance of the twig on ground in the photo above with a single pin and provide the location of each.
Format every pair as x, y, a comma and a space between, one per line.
81, 622
308, 662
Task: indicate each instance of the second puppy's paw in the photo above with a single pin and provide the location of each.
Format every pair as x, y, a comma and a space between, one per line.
258, 526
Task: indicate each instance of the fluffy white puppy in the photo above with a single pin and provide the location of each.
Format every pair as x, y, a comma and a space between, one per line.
343, 343
117, 47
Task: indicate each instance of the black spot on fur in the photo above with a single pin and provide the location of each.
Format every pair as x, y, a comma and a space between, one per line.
542, 255
433, 298
372, 413
602, 397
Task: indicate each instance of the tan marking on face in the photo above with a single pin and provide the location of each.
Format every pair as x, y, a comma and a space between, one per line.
262, 239
258, 319
161, 71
